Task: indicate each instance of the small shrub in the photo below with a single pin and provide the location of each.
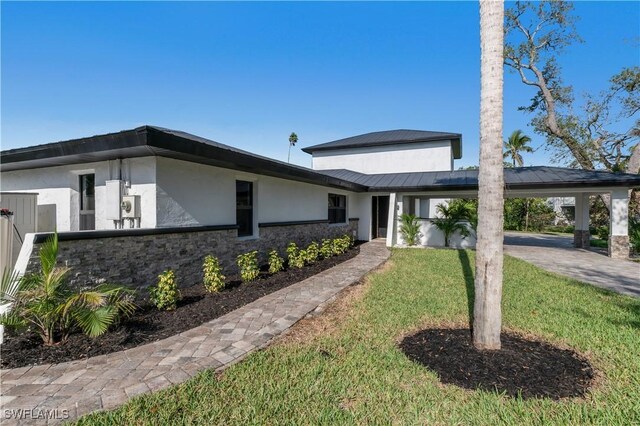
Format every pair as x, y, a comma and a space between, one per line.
603, 232
311, 253
213, 278
295, 256
165, 294
248, 264
302, 256
341, 244
335, 247
352, 240
634, 234
276, 262
326, 249
410, 229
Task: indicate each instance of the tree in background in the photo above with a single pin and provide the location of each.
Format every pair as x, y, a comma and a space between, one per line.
541, 214
536, 34
513, 146
517, 143
487, 312
527, 214
293, 140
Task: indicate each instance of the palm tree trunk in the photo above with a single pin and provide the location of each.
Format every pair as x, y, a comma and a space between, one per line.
487, 315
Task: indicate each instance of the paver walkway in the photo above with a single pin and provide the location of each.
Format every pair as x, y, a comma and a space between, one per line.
106, 381
556, 254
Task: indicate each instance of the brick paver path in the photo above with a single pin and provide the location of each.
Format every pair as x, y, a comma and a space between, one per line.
107, 381
556, 254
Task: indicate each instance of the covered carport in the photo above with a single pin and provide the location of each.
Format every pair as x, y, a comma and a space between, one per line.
521, 182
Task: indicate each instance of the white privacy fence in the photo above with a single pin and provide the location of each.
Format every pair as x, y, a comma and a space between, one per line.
19, 217
24, 207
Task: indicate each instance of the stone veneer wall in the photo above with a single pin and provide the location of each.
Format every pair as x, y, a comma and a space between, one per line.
138, 258
618, 246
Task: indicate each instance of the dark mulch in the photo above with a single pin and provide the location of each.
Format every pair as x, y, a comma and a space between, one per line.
148, 324
526, 368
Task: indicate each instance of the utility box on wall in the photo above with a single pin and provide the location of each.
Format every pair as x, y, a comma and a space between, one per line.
131, 207
115, 190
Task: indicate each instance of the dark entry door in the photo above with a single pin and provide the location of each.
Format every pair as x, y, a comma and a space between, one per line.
379, 216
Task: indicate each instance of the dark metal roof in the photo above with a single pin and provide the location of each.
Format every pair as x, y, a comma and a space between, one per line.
391, 137
157, 141
539, 177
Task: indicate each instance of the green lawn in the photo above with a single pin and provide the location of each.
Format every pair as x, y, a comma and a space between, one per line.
354, 374
596, 242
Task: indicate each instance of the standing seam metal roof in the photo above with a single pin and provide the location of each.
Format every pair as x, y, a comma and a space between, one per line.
538, 177
391, 137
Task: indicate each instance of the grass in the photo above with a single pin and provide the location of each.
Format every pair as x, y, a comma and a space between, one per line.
351, 372
596, 242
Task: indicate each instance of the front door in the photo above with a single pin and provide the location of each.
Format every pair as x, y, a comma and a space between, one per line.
379, 216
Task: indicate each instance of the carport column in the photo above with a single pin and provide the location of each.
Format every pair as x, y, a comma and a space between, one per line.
619, 225
581, 234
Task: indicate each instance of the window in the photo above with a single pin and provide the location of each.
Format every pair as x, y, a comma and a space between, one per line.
244, 208
87, 202
337, 208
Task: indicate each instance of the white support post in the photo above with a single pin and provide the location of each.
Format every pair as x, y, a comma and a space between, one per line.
581, 235
619, 224
392, 221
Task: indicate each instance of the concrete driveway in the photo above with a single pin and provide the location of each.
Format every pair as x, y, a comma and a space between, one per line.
555, 253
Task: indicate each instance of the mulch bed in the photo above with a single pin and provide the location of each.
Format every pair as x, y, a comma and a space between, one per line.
148, 324
522, 368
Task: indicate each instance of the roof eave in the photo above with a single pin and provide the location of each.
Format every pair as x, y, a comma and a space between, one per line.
523, 186
150, 141
456, 145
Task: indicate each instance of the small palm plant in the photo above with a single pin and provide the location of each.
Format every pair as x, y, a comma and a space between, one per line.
451, 221
410, 229
44, 302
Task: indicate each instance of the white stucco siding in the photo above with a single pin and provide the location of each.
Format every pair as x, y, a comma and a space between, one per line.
60, 186
281, 200
360, 207
140, 173
431, 236
191, 194
55, 186
416, 157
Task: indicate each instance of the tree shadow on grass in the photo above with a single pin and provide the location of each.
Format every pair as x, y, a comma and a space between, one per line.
632, 306
467, 271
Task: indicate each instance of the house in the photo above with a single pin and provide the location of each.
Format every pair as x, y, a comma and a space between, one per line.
128, 203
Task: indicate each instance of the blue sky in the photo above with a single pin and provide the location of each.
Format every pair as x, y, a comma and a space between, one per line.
248, 74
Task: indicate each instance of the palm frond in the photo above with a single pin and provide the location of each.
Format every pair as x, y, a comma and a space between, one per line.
49, 254
10, 285
11, 319
95, 322
54, 280
89, 299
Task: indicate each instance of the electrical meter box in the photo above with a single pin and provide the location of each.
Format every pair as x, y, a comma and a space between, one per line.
130, 206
